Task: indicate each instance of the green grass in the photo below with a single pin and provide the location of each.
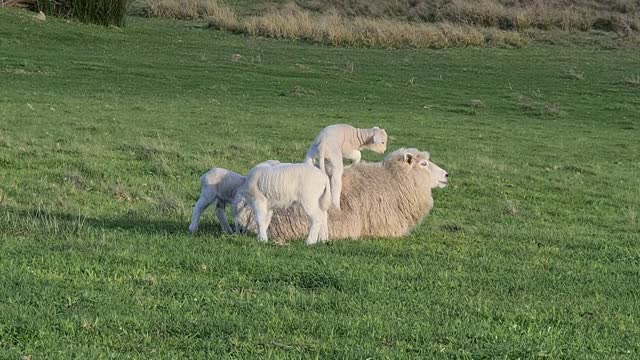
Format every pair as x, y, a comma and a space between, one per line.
532, 251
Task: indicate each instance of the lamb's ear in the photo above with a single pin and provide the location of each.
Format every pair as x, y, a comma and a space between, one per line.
375, 128
377, 139
408, 158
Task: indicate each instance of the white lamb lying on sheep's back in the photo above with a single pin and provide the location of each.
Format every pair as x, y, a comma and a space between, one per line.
386, 199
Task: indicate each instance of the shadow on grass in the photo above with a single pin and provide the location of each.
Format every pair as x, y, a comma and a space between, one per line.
28, 220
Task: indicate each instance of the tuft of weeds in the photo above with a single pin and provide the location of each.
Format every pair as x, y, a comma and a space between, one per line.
121, 192
512, 207
632, 217
149, 149
632, 80
574, 75
6, 200
536, 105
43, 221
349, 68
76, 178
551, 109
298, 91
475, 105
167, 202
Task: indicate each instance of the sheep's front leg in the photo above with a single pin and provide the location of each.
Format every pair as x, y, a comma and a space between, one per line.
201, 205
261, 212
222, 217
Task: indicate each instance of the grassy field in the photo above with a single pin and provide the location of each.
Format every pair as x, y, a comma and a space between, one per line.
532, 251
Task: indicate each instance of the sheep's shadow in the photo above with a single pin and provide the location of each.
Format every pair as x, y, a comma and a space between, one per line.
135, 222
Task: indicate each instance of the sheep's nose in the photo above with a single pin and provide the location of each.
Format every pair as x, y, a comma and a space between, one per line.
446, 175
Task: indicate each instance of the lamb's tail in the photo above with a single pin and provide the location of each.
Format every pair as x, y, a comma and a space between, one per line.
311, 153
325, 198
308, 160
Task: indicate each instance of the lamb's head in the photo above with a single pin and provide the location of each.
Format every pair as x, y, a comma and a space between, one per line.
419, 164
378, 141
241, 210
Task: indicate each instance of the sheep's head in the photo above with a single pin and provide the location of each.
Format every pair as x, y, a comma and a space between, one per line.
378, 141
420, 165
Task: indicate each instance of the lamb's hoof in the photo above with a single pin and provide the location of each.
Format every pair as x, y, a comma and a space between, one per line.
192, 229
262, 239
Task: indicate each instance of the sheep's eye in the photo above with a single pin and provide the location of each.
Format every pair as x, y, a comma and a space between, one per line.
424, 163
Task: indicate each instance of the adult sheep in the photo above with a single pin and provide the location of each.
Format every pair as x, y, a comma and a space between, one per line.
386, 199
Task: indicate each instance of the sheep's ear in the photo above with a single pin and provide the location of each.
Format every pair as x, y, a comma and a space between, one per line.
377, 139
408, 158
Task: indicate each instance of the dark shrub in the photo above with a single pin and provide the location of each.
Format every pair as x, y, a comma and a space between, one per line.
100, 12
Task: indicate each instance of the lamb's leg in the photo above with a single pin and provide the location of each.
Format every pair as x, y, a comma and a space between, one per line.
261, 213
206, 198
222, 217
311, 207
323, 235
354, 156
321, 163
336, 182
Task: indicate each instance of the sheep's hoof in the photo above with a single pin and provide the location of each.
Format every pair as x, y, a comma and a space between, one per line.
262, 240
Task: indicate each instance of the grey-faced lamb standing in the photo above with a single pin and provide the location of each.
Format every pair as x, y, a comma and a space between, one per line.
280, 186
336, 142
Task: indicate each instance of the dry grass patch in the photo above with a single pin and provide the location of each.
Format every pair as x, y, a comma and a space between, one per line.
20, 4
334, 29
619, 15
331, 27
185, 10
